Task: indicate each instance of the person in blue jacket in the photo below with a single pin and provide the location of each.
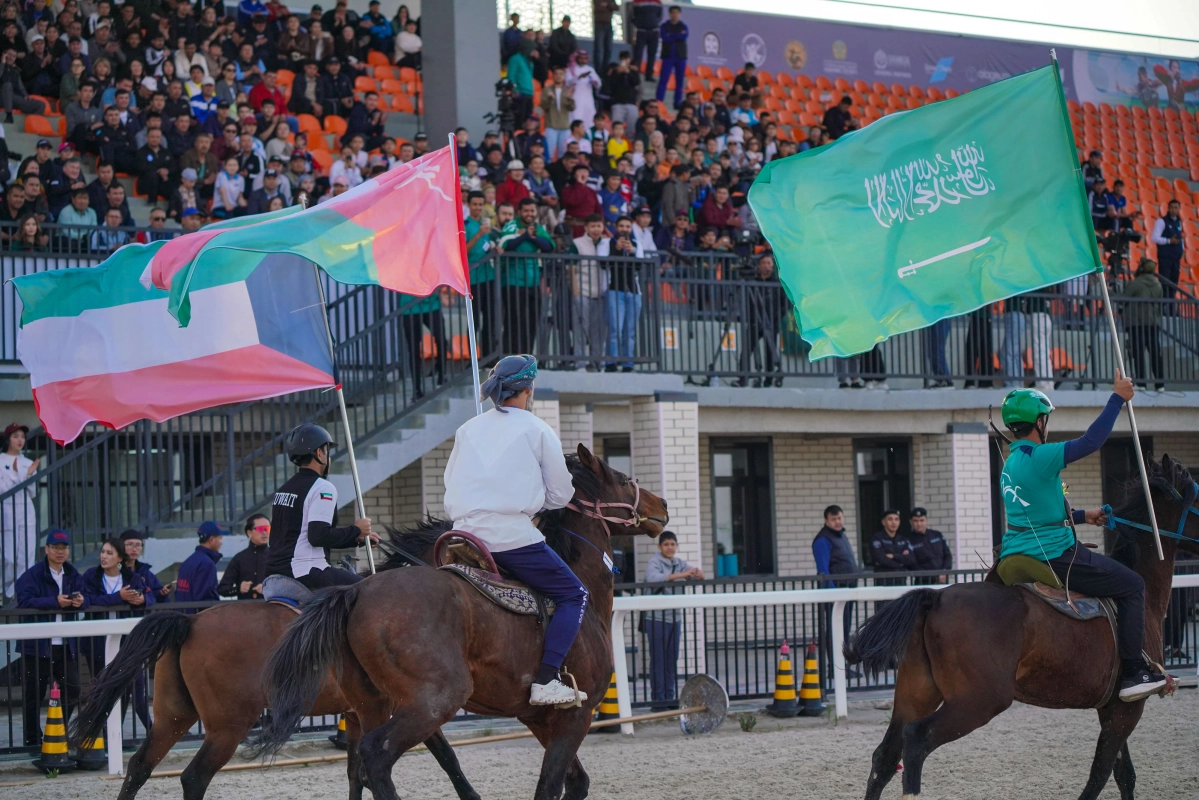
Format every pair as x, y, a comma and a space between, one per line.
50, 585
197, 581
133, 542
112, 585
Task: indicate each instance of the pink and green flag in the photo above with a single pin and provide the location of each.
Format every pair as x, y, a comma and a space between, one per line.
401, 230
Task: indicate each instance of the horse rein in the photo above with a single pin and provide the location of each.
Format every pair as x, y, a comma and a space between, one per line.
1188, 508
594, 510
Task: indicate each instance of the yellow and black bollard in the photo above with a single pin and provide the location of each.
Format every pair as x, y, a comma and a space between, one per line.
811, 696
785, 703
609, 708
55, 755
339, 739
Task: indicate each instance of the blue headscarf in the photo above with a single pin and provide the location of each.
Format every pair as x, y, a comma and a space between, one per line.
512, 375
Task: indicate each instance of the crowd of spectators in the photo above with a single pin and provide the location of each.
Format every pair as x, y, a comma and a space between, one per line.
200, 108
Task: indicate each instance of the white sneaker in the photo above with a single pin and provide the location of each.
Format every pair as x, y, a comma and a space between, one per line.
554, 693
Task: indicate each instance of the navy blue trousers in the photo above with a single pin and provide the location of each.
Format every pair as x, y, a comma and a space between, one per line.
1096, 575
663, 658
543, 570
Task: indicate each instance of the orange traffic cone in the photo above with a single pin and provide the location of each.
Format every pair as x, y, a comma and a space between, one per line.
785, 704
339, 739
609, 708
811, 697
55, 757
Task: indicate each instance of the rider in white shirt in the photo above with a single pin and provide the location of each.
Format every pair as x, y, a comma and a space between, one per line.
506, 466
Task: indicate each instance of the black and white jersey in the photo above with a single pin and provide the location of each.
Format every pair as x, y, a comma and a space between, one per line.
303, 526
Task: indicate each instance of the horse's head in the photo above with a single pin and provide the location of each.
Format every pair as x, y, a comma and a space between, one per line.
615, 499
1184, 497
1175, 504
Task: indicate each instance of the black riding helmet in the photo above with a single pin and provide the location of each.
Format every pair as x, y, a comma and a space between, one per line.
304, 440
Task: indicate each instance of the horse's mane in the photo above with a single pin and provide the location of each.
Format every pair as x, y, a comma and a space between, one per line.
417, 539
1170, 475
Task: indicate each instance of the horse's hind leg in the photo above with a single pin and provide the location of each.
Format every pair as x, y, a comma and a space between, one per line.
916, 696
560, 767
1116, 721
953, 720
448, 760
175, 713
382, 747
219, 746
353, 736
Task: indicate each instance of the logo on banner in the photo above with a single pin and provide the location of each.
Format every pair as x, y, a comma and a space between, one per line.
753, 49
891, 65
837, 65
796, 54
840, 50
711, 44
939, 71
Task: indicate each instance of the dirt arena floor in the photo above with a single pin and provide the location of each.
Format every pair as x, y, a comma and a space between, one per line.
1025, 753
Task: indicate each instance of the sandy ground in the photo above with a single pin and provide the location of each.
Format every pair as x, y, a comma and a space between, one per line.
1025, 753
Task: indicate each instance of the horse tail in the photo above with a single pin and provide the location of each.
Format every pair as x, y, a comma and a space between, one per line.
157, 633
882, 639
300, 664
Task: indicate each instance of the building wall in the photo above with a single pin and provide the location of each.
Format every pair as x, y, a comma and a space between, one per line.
809, 475
432, 466
576, 425
707, 530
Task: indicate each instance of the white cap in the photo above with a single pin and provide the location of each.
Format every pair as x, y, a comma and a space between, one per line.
515, 163
736, 134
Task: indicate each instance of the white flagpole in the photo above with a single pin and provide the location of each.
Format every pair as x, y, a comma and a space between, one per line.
470, 308
341, 402
1132, 417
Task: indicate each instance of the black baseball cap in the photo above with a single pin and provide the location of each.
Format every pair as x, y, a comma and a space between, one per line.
918, 512
44, 143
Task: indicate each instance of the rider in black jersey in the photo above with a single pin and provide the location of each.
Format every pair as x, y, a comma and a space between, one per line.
304, 516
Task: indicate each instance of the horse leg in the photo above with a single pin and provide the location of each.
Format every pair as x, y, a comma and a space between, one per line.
561, 737
916, 696
353, 736
577, 782
448, 760
175, 712
1116, 722
220, 743
382, 747
953, 720
158, 742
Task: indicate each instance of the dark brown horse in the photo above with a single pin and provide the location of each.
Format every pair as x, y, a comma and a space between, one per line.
425, 643
965, 653
208, 668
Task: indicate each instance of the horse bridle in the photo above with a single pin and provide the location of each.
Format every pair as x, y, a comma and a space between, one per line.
593, 509
1188, 508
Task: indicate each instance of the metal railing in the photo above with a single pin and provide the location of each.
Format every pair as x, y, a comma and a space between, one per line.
95, 241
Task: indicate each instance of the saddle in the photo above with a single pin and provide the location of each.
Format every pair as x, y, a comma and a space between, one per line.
284, 591
467, 557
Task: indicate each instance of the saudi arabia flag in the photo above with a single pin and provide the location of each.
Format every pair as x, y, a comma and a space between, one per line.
928, 214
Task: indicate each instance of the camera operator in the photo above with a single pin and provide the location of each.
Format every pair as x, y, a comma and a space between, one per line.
763, 310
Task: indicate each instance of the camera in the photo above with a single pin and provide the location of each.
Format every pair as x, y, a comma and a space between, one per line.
504, 116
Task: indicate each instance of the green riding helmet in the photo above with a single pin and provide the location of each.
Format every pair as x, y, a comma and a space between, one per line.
1025, 405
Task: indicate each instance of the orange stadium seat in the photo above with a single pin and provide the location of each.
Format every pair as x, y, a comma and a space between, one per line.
765, 78
934, 93
377, 59
38, 125
323, 159
725, 74
335, 125
391, 86
365, 84
952, 93
823, 83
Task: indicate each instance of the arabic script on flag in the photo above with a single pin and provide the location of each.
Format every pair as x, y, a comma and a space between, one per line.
922, 186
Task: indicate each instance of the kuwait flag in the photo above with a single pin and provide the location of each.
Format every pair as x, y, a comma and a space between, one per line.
100, 346
401, 230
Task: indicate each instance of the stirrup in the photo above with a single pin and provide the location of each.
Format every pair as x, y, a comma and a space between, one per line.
578, 701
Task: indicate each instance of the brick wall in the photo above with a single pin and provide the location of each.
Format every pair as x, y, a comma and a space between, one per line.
576, 427
547, 412
1182, 446
665, 454
1085, 479
432, 476
707, 530
808, 476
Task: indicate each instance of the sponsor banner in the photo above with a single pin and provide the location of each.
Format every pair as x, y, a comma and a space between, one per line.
1135, 80
725, 38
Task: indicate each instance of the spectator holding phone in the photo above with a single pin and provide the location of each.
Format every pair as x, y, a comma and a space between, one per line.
51, 585
134, 543
663, 627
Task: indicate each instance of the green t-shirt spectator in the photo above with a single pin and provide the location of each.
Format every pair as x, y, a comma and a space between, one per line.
514, 238
479, 273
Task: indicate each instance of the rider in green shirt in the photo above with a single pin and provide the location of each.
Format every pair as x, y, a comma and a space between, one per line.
1036, 509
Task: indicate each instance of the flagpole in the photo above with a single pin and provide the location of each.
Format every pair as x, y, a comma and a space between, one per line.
1111, 322
341, 403
470, 308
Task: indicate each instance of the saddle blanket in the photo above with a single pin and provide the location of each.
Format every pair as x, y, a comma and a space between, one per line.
509, 595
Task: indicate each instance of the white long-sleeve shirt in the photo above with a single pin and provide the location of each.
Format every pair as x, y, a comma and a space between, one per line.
1159, 228
505, 467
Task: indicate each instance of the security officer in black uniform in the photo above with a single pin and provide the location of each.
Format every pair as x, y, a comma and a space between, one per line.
890, 551
304, 516
929, 547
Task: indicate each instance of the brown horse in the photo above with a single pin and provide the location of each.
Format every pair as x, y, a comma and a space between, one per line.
965, 653
209, 668
425, 643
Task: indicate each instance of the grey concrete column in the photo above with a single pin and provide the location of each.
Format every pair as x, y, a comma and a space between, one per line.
461, 63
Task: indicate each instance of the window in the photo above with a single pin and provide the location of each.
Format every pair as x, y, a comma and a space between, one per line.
884, 472
619, 458
742, 508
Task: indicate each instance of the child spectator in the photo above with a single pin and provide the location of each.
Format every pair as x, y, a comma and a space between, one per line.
229, 198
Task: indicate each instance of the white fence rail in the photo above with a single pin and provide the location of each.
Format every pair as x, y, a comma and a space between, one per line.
114, 629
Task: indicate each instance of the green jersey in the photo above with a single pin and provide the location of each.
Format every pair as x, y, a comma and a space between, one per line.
1034, 501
